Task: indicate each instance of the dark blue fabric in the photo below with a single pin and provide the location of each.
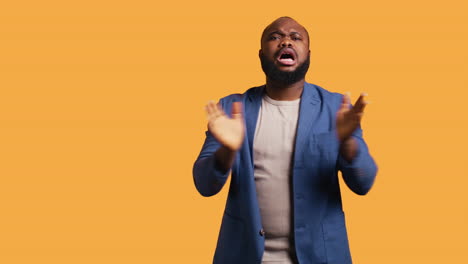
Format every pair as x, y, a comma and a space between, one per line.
319, 222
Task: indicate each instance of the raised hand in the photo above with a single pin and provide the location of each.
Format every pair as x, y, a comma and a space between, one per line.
349, 117
228, 131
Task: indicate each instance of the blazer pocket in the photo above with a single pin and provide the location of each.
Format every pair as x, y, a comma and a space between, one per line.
336, 239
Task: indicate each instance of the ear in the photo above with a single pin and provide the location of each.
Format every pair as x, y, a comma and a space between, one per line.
260, 53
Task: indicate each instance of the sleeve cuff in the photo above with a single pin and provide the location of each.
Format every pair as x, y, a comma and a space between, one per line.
356, 160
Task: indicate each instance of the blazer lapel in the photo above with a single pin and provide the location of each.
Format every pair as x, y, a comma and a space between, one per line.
252, 104
308, 112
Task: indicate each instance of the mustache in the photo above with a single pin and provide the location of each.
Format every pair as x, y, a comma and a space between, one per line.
282, 50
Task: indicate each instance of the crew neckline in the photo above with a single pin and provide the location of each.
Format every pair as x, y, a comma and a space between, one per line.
281, 103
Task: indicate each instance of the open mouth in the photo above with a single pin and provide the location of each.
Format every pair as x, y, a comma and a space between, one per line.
287, 57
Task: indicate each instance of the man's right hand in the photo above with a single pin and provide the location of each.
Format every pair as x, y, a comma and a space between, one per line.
228, 131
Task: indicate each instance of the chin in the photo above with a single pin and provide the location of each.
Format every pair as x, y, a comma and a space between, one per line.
287, 68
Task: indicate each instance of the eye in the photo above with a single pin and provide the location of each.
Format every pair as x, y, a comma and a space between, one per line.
274, 37
296, 38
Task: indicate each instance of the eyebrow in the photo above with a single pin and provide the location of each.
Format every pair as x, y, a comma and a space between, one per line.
283, 34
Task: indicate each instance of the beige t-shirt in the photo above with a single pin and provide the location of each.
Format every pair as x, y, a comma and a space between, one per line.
273, 148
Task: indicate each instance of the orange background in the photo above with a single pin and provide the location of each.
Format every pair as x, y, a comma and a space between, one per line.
101, 119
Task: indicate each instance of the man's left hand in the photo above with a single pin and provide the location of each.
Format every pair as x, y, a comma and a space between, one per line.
349, 117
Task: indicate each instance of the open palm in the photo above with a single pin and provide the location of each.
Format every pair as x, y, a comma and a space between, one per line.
349, 117
228, 131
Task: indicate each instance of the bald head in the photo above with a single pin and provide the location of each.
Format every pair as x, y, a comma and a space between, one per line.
278, 22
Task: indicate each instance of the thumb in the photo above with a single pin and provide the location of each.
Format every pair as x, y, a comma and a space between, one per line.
236, 111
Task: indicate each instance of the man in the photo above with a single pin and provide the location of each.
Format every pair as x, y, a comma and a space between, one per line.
284, 143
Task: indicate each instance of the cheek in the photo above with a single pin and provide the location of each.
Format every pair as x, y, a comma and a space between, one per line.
303, 54
270, 47
269, 51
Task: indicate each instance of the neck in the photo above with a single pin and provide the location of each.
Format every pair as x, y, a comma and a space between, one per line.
281, 92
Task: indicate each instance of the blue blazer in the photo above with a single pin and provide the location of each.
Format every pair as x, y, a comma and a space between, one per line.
318, 222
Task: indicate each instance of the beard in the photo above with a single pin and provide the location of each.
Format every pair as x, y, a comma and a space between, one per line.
283, 77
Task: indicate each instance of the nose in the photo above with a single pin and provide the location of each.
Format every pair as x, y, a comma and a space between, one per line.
286, 43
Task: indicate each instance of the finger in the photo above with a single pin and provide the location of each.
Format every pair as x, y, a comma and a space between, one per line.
347, 98
236, 110
346, 102
360, 103
211, 110
219, 110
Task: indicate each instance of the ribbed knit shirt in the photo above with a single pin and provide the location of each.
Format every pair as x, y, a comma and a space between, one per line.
273, 150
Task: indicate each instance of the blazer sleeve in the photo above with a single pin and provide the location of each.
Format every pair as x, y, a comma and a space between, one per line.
208, 177
359, 174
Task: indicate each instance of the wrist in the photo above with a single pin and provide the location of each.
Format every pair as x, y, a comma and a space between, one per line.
224, 157
349, 148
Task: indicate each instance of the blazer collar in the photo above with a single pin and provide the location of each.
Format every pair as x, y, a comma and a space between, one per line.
309, 94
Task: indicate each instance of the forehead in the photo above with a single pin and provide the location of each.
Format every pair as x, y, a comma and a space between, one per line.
285, 25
